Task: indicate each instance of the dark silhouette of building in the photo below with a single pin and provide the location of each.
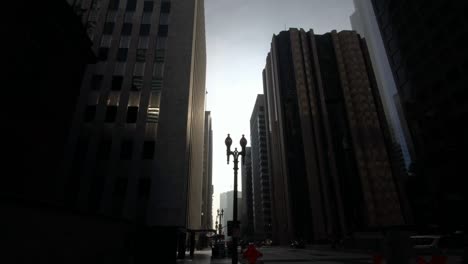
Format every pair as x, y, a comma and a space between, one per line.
426, 46
247, 220
260, 171
44, 62
123, 151
331, 171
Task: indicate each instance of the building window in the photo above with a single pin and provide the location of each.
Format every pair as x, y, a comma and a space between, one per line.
140, 55
126, 29
122, 54
96, 82
144, 29
90, 113
156, 84
148, 149
131, 5
163, 30
108, 28
102, 53
137, 83
111, 114
148, 6
132, 114
165, 7
126, 149
114, 4
159, 57
117, 82
104, 149
153, 115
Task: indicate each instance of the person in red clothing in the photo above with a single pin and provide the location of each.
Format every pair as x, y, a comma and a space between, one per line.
252, 254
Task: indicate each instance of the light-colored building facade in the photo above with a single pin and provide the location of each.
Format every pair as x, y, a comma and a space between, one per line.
226, 203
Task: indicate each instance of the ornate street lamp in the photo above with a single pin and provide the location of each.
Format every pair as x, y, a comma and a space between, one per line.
220, 215
235, 154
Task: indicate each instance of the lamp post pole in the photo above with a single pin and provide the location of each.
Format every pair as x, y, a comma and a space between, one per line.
235, 154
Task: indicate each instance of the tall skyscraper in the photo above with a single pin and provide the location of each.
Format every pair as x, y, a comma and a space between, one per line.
260, 171
363, 20
136, 145
331, 172
425, 43
226, 203
247, 220
207, 191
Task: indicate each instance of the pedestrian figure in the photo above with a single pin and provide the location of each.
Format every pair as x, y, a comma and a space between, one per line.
252, 254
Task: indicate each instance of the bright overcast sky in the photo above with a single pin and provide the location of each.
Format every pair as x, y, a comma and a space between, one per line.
238, 38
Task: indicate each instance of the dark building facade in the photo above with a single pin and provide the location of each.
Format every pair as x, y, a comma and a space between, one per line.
43, 66
137, 137
331, 172
425, 43
260, 171
247, 214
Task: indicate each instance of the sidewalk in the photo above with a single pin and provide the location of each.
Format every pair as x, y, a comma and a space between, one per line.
203, 257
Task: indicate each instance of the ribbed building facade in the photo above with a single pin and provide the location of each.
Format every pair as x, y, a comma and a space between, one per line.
207, 191
331, 172
260, 171
136, 145
426, 45
247, 217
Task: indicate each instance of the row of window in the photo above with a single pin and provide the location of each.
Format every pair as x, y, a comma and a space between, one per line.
111, 114
147, 5
127, 29
122, 54
117, 82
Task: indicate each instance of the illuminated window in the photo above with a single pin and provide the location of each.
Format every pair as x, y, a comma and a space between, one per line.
153, 115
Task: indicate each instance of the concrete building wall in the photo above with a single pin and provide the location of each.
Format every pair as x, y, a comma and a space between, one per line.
136, 146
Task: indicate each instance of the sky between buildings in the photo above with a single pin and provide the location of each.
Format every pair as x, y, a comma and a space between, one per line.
238, 39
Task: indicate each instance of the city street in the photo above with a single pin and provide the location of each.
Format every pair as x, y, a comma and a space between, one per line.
284, 255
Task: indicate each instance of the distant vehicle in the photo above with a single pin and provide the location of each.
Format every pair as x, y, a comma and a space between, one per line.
297, 244
425, 242
437, 243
